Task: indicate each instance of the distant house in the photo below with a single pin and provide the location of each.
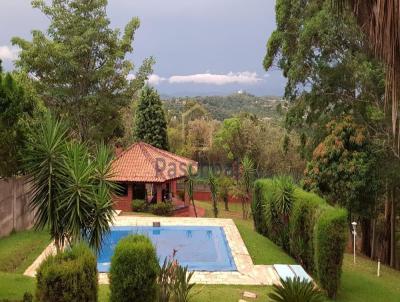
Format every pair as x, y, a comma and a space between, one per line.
146, 172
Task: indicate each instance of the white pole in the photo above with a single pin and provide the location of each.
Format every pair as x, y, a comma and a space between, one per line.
379, 268
354, 224
354, 246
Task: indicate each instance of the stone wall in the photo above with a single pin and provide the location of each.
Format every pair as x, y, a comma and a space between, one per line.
15, 213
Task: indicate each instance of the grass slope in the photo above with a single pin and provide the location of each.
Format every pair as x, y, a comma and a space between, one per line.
19, 250
359, 281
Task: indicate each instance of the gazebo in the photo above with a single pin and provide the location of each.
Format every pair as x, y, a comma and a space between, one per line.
146, 172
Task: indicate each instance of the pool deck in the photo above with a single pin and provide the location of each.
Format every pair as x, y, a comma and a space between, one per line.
247, 273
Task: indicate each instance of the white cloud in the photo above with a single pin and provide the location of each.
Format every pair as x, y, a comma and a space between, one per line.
155, 79
245, 77
8, 53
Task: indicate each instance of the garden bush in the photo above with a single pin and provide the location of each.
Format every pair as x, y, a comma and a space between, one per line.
301, 228
261, 188
68, 276
139, 205
330, 240
304, 225
134, 269
162, 209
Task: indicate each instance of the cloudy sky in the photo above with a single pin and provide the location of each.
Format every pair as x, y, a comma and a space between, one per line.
200, 46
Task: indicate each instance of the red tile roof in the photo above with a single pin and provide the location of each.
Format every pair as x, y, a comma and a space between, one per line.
142, 162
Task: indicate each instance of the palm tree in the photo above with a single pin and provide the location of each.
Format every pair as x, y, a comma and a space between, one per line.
212, 182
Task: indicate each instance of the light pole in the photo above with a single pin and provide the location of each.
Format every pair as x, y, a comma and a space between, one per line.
354, 232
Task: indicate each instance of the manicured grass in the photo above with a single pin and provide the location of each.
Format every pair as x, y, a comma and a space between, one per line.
261, 249
13, 286
215, 293
360, 284
359, 281
19, 250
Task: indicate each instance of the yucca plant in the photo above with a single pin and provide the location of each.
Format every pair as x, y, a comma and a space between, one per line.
78, 196
71, 190
182, 285
212, 183
103, 212
283, 196
245, 185
44, 164
190, 185
296, 290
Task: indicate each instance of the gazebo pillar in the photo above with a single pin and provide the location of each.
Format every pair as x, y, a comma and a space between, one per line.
173, 188
130, 191
159, 192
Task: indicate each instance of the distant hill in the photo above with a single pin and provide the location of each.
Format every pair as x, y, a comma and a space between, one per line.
222, 107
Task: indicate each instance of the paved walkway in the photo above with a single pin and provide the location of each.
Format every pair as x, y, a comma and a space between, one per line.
247, 273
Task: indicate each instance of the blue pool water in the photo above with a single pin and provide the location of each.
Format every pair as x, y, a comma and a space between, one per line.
200, 248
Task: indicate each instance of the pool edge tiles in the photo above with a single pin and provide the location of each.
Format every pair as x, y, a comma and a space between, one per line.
200, 248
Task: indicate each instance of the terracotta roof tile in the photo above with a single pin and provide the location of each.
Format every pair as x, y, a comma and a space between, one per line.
142, 162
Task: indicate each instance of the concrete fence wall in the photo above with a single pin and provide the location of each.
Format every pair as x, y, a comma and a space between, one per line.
15, 213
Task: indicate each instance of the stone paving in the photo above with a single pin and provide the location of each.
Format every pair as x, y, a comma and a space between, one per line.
247, 273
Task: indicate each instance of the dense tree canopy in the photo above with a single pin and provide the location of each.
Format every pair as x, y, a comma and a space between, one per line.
380, 21
80, 67
18, 109
150, 123
344, 168
329, 73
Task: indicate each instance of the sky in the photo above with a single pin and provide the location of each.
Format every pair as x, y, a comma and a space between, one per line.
201, 47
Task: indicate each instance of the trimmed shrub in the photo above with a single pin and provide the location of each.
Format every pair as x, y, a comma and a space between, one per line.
261, 189
301, 227
330, 240
310, 230
162, 209
68, 276
134, 269
139, 205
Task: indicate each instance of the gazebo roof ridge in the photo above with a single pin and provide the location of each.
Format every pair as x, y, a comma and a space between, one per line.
139, 163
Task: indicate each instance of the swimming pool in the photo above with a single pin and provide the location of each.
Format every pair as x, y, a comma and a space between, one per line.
201, 248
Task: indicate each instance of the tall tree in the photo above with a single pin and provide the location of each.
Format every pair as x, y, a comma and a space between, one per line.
80, 66
18, 109
380, 21
344, 169
331, 74
150, 122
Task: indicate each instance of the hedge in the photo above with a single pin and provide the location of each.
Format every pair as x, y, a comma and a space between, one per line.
68, 276
134, 269
330, 240
316, 232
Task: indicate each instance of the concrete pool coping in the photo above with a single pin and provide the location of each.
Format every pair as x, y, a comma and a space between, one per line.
247, 273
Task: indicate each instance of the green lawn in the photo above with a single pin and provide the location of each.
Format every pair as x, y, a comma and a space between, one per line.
359, 282
19, 250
